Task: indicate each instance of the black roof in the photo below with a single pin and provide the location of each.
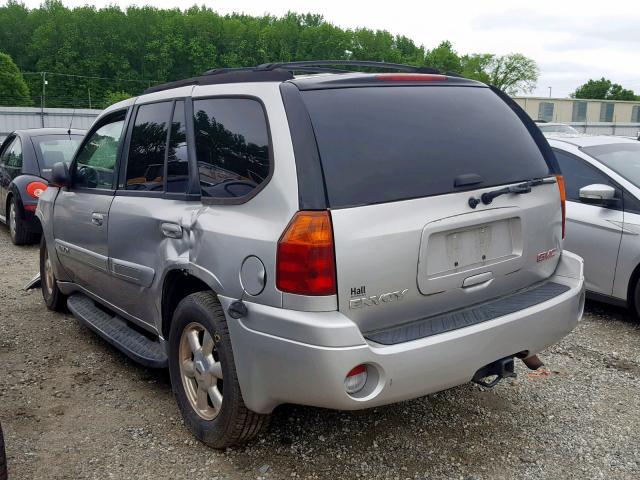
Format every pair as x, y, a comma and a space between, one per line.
281, 72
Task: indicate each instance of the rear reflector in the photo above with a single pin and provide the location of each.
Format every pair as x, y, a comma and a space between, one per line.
563, 201
355, 379
305, 263
35, 189
411, 77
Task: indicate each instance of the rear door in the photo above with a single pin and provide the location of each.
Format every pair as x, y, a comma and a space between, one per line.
401, 164
146, 219
81, 211
593, 231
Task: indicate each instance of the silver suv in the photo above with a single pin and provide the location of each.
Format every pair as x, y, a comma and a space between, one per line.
338, 239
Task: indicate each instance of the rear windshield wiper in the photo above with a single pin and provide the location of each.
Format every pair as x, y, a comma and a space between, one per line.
524, 187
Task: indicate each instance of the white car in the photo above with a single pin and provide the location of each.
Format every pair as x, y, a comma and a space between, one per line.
602, 183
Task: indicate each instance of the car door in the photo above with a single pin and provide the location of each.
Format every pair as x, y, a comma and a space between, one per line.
149, 214
10, 168
4, 177
81, 211
593, 231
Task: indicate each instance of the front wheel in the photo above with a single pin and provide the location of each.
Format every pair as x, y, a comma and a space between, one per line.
54, 299
203, 375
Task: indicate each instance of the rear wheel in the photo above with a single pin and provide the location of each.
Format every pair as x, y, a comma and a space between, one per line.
17, 230
203, 375
53, 298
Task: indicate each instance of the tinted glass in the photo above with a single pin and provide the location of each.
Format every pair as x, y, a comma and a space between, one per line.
577, 174
232, 146
622, 158
12, 156
177, 158
97, 159
56, 148
145, 165
393, 143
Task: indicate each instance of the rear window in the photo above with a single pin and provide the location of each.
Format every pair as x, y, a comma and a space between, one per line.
386, 144
56, 148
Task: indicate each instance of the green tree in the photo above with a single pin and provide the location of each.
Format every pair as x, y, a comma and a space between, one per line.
443, 58
115, 97
603, 89
13, 89
512, 73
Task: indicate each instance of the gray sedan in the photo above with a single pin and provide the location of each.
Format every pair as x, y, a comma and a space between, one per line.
602, 182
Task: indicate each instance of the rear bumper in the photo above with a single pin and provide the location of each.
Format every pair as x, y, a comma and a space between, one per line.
302, 357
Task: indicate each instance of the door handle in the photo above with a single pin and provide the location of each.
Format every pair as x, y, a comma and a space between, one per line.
97, 219
171, 230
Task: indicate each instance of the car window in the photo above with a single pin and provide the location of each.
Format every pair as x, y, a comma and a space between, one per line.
622, 158
56, 148
232, 146
145, 164
13, 157
577, 174
96, 160
4, 155
385, 144
177, 157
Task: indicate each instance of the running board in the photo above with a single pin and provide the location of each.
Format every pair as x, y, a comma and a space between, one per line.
118, 332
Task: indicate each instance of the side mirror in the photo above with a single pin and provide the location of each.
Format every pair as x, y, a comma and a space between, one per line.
598, 194
60, 176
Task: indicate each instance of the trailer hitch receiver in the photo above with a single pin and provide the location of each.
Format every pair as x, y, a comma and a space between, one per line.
503, 368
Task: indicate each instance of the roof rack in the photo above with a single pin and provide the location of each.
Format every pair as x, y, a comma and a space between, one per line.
270, 72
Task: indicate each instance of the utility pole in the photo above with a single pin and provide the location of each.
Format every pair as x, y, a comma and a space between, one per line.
549, 91
89, 90
42, 99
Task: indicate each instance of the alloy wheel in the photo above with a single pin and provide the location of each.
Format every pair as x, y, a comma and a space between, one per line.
201, 371
13, 226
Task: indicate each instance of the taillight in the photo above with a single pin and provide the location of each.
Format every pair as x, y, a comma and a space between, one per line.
563, 201
411, 77
35, 189
305, 264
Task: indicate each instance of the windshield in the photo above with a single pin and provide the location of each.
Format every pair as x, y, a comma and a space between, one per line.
622, 158
558, 129
394, 143
56, 148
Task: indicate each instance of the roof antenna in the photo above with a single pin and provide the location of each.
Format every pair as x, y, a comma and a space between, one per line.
72, 115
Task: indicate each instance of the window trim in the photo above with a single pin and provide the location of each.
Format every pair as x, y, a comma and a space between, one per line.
121, 190
4, 147
259, 188
619, 188
99, 124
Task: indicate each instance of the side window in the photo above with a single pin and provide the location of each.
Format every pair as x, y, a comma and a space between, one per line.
4, 155
577, 174
177, 158
145, 164
96, 160
232, 146
13, 157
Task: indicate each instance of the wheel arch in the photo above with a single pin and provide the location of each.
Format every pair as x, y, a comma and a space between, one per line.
179, 283
633, 280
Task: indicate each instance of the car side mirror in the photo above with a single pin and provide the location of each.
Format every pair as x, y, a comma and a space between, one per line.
60, 176
598, 194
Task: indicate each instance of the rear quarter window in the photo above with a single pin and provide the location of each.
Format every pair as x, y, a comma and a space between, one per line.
384, 144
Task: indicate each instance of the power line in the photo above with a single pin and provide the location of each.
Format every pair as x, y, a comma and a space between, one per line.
93, 77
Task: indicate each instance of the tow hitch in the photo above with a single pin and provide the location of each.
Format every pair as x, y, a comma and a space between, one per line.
503, 368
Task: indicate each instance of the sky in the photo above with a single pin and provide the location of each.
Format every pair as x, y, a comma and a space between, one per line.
571, 41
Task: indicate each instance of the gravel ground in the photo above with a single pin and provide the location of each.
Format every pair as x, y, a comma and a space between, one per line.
72, 407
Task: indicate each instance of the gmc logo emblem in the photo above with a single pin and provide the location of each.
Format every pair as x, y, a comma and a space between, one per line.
542, 256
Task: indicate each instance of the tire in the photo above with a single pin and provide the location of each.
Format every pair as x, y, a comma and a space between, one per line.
634, 302
17, 230
200, 321
54, 299
3, 458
